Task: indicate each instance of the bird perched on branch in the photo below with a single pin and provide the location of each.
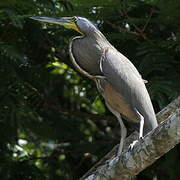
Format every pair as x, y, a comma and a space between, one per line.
116, 78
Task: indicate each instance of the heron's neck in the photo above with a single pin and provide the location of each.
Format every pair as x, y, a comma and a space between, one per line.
99, 37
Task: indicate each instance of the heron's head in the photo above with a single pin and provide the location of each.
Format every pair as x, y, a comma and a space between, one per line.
80, 24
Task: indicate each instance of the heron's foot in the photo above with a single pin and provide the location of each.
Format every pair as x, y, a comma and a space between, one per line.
132, 145
140, 138
108, 160
112, 161
111, 158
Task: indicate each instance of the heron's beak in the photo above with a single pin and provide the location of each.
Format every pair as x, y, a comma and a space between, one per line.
67, 22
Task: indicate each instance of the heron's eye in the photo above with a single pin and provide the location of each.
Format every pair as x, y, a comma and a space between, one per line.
74, 18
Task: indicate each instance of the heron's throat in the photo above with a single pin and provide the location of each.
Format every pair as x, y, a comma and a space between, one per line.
73, 26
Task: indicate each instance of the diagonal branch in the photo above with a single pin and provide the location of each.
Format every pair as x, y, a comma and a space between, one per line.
145, 152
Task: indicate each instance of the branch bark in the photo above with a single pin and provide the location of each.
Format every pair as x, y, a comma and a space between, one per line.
145, 152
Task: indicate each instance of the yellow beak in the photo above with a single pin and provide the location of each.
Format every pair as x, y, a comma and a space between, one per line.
67, 22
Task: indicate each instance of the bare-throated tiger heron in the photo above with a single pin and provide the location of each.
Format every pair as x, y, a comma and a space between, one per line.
116, 77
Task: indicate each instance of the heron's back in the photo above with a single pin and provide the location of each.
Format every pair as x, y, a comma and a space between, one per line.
127, 82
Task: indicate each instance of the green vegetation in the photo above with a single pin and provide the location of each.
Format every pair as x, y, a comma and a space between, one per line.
53, 123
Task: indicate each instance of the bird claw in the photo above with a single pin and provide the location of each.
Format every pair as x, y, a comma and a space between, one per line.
112, 161
131, 146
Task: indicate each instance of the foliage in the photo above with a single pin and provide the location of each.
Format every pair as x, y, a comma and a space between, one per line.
53, 123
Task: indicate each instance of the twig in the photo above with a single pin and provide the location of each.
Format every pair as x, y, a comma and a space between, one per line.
122, 29
148, 20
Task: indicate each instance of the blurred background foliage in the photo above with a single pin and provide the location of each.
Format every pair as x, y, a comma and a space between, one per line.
53, 123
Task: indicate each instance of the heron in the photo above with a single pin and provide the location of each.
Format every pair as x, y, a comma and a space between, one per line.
116, 78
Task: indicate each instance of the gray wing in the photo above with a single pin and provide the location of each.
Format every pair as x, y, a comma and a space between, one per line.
122, 74
126, 80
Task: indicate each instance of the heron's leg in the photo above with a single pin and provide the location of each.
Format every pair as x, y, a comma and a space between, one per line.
141, 127
123, 135
141, 124
123, 129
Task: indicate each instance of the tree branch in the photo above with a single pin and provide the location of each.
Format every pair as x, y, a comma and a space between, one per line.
168, 110
145, 152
